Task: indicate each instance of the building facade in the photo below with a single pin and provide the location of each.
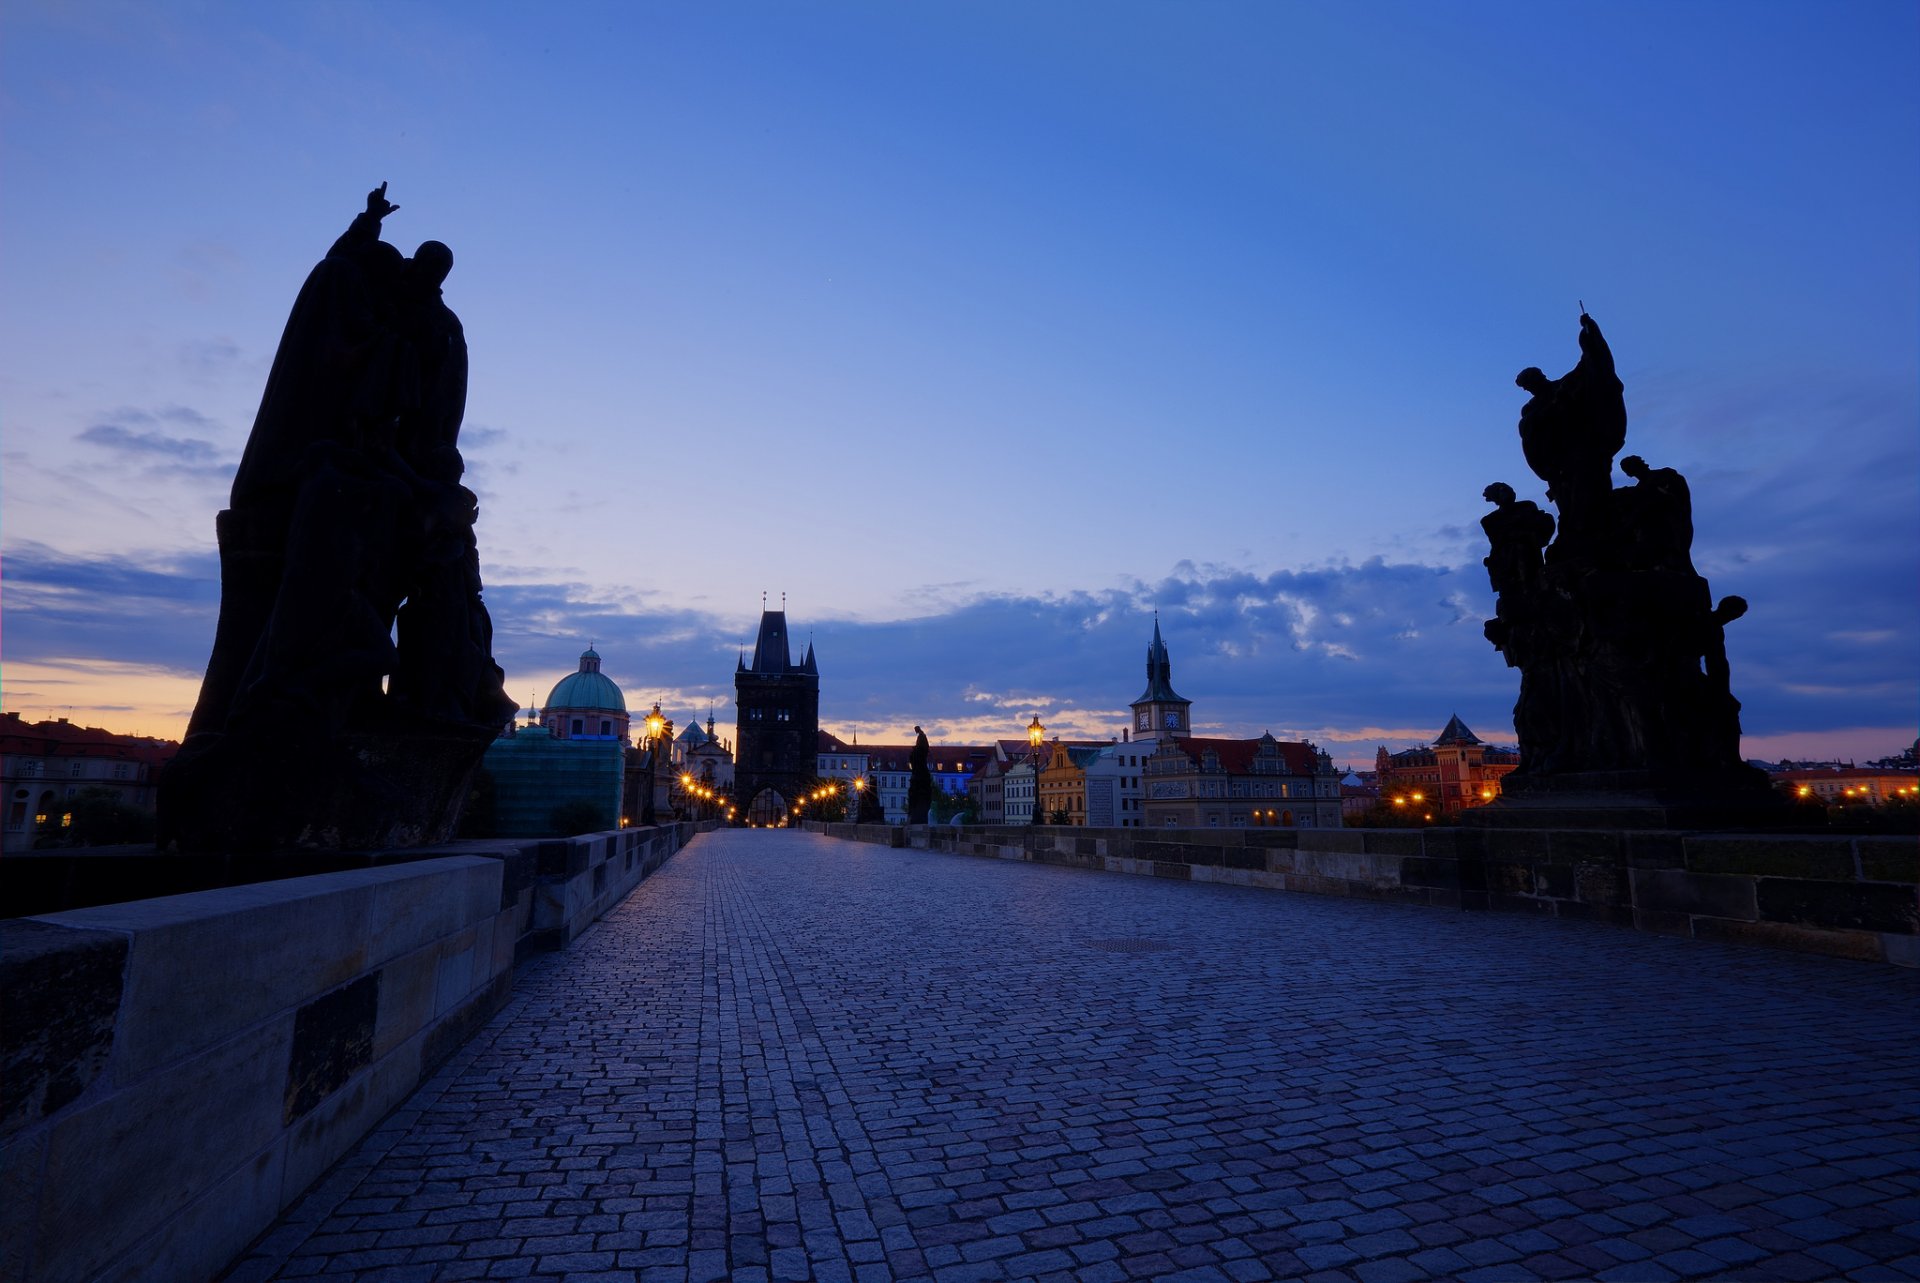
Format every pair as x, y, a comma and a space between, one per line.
777, 706
45, 765
1453, 774
1849, 785
1195, 783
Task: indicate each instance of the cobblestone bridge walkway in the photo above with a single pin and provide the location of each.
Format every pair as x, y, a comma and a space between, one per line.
788, 1057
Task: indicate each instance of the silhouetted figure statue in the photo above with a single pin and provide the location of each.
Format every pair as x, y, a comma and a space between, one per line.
1657, 516
1518, 533
920, 781
1624, 685
1570, 429
314, 727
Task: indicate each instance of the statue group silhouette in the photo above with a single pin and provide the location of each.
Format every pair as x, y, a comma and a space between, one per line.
353, 651
1621, 651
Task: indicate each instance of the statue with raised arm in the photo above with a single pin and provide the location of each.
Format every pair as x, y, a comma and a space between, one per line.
1624, 682
313, 727
1570, 429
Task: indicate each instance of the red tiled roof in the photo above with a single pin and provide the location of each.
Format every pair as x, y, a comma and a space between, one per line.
63, 739
1843, 773
1236, 756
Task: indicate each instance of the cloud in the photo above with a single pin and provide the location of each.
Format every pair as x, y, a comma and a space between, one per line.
1347, 655
113, 609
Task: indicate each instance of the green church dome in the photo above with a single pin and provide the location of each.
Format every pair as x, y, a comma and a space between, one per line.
588, 688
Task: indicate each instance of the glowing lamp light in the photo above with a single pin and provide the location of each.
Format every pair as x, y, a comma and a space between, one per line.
1036, 733
655, 722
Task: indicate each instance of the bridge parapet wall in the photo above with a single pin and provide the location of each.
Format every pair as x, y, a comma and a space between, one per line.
1845, 896
178, 1070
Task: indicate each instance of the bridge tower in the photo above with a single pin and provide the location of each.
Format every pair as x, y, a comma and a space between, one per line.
777, 703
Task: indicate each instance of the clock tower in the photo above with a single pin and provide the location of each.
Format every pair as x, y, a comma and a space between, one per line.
1159, 713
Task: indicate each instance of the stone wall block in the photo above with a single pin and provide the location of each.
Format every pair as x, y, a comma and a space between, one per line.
208, 1233
171, 1138
409, 911
1506, 877
1863, 906
1353, 840
1656, 849
1282, 859
1452, 844
1393, 841
332, 1040
1662, 922
1862, 945
61, 987
1811, 856
1606, 885
1901, 950
1889, 859
22, 1161
1430, 871
1518, 846
299, 937
1707, 894
318, 1140
409, 987
506, 933
453, 978
1576, 846
1555, 881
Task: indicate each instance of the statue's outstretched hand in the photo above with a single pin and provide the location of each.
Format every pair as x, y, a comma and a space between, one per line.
377, 203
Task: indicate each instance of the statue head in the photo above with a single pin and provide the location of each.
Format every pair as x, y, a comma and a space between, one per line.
1533, 379
430, 264
1499, 494
1634, 466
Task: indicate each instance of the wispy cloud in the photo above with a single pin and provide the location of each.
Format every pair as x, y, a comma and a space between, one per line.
1348, 655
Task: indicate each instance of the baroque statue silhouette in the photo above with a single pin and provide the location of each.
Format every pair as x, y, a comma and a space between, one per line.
351, 690
1624, 684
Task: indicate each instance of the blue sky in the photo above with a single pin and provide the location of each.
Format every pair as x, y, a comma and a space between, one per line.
982, 331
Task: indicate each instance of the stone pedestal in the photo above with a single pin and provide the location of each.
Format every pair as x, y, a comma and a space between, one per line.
1740, 799
363, 791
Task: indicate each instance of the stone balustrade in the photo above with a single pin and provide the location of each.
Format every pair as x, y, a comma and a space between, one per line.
1846, 896
178, 1070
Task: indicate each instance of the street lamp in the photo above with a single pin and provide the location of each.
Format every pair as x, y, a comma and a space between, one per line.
1036, 735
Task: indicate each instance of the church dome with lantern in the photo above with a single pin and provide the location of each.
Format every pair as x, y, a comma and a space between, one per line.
587, 704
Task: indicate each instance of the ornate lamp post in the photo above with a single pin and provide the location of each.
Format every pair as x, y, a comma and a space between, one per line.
1036, 735
656, 728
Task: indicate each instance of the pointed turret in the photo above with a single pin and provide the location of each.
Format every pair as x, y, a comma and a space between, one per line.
1160, 711
1159, 671
807, 665
770, 653
1456, 733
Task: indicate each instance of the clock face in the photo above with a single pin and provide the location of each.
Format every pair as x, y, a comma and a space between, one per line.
1173, 719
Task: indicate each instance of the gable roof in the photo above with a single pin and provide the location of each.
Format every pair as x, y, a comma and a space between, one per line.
1236, 756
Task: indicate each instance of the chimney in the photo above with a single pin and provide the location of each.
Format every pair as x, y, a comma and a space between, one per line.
1124, 732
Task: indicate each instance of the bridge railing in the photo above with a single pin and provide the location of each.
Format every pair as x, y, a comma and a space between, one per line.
179, 1070
1845, 896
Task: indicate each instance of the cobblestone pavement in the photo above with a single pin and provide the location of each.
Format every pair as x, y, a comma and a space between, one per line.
787, 1057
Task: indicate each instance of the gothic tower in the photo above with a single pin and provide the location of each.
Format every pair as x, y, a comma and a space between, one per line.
777, 703
1159, 713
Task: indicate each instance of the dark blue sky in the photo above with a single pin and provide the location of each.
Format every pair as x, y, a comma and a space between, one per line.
982, 331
